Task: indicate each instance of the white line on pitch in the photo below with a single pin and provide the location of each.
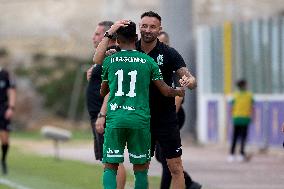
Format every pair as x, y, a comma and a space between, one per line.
12, 184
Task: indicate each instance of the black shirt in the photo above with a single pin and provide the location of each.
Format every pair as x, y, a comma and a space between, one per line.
5, 84
168, 60
94, 99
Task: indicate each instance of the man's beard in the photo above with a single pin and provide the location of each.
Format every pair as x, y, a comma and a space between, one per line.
148, 38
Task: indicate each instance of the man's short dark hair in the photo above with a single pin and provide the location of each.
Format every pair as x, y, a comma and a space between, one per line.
152, 14
106, 24
127, 33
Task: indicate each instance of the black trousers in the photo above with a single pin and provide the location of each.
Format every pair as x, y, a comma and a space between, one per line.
240, 132
161, 157
98, 142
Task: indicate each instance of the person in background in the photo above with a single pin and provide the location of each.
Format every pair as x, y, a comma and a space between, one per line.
7, 108
164, 37
242, 110
95, 101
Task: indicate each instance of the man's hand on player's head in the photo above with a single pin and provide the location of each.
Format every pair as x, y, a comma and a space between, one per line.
117, 25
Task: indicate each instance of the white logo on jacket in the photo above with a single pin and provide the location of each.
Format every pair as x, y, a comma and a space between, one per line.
160, 59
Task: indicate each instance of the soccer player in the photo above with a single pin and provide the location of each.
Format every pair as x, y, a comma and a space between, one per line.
7, 107
95, 101
127, 76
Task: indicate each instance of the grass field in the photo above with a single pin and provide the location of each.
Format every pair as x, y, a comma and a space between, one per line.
31, 171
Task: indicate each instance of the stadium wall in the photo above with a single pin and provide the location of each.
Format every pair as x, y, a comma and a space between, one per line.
253, 50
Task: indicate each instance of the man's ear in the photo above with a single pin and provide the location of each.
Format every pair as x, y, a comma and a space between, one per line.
161, 28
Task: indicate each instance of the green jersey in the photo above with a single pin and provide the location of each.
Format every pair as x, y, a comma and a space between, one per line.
129, 74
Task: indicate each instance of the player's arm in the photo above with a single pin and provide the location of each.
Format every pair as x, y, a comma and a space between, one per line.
102, 47
187, 79
100, 51
178, 102
168, 91
11, 103
89, 73
100, 123
104, 88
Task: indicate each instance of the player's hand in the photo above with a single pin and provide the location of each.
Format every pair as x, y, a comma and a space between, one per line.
189, 82
283, 127
110, 52
9, 113
181, 91
100, 125
89, 73
117, 25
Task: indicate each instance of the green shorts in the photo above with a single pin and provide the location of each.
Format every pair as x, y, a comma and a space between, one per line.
138, 142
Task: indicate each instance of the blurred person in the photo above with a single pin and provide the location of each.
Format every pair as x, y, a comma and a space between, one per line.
166, 174
126, 76
164, 129
242, 110
7, 108
95, 101
164, 37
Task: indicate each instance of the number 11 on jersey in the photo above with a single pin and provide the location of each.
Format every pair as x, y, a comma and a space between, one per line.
132, 83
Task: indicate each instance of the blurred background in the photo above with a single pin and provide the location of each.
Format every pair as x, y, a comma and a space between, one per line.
47, 45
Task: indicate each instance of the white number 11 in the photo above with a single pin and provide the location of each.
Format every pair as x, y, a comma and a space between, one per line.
131, 92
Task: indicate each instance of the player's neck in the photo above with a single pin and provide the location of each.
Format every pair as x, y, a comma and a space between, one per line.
148, 47
125, 46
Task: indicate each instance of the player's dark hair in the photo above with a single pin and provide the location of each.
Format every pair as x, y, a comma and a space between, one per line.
152, 14
127, 33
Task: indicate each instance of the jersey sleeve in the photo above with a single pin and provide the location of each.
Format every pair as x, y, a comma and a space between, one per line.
155, 71
177, 59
